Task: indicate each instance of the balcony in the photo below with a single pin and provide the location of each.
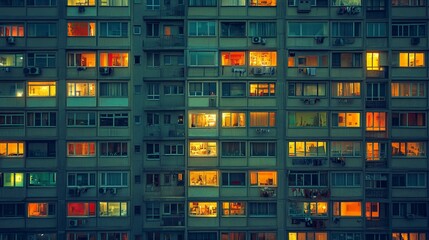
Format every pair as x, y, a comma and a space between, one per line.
377, 223
267, 192
168, 11
376, 193
165, 41
173, 220
338, 161
309, 161
311, 193
376, 163
372, 103
383, 72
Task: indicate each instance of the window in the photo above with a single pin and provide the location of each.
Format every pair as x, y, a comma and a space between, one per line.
346, 60
233, 209
13, 3
309, 148
113, 179
152, 119
152, 151
231, 179
81, 209
11, 119
81, 29
114, 3
263, 178
233, 59
376, 121
152, 29
113, 209
203, 209
346, 3
263, 59
262, 29
308, 209
303, 29
205, 236
203, 149
153, 91
202, 3
41, 29
80, 89
408, 30
233, 119
173, 90
261, 3
346, 29
345, 149
202, 120
113, 119
176, 149
11, 89
41, 60
202, 28
41, 89
376, 181
408, 89
152, 211
114, 89
374, 29
203, 178
301, 89
80, 179
11, 60
377, 236
81, 236
404, 209
173, 209
262, 209
308, 179
12, 179
42, 179
408, 3
305, 60
41, 119
113, 149
347, 209
376, 151
113, 29
233, 89
80, 3
233, 29
80, 119
152, 4
376, 91
81, 149
81, 59
408, 149
39, 149
36, 210
11, 149
11, 210
11, 29
262, 119
233, 235
346, 119
233, 149
373, 61
153, 59
307, 119
202, 58
416, 180
313, 235
407, 119
113, 59
411, 59
262, 89
202, 88
340, 179
262, 149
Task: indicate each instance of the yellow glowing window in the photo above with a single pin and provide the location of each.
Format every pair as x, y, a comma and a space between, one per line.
262, 89
315, 208
372, 210
411, 59
113, 209
263, 59
203, 209
81, 29
80, 89
346, 89
81, 149
308, 235
233, 58
263, 3
376, 121
231, 119
13, 179
12, 30
80, 2
80, 209
202, 120
262, 119
113, 59
203, 178
347, 209
11, 149
263, 178
42, 89
310, 148
346, 120
233, 208
373, 61
81, 60
203, 149
40, 210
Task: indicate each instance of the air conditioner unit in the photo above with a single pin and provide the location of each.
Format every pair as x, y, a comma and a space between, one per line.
10, 40
102, 190
105, 71
73, 223
415, 41
113, 191
258, 40
304, 6
257, 71
32, 71
81, 9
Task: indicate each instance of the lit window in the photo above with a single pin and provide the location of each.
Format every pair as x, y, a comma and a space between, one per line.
11, 60
12, 179
81, 29
346, 119
80, 89
203, 209
307, 119
376, 151
401, 119
11, 119
11, 30
233, 119
113, 59
376, 121
80, 3
263, 59
203, 149
408, 149
113, 209
113, 179
113, 149
42, 89
309, 148
309, 209
372, 210
203, 178
307, 89
263, 3
262, 89
411, 59
11, 149
262, 119
408, 89
233, 208
114, 3
83, 179
202, 120
262, 178
42, 179
80, 209
345, 149
347, 209
233, 58
81, 149
373, 61
40, 210
303, 60
81, 59
312, 235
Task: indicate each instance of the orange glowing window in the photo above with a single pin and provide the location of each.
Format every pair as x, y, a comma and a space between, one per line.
80, 209
81, 149
263, 59
372, 210
81, 29
13, 30
411, 59
40, 210
263, 178
11, 149
263, 3
348, 209
113, 59
376, 121
233, 58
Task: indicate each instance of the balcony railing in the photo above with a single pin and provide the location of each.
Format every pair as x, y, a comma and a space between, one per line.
377, 222
376, 193
312, 193
373, 103
165, 41
267, 192
375, 163
309, 161
177, 220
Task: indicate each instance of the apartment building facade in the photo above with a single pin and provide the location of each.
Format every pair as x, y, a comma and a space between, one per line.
206, 119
